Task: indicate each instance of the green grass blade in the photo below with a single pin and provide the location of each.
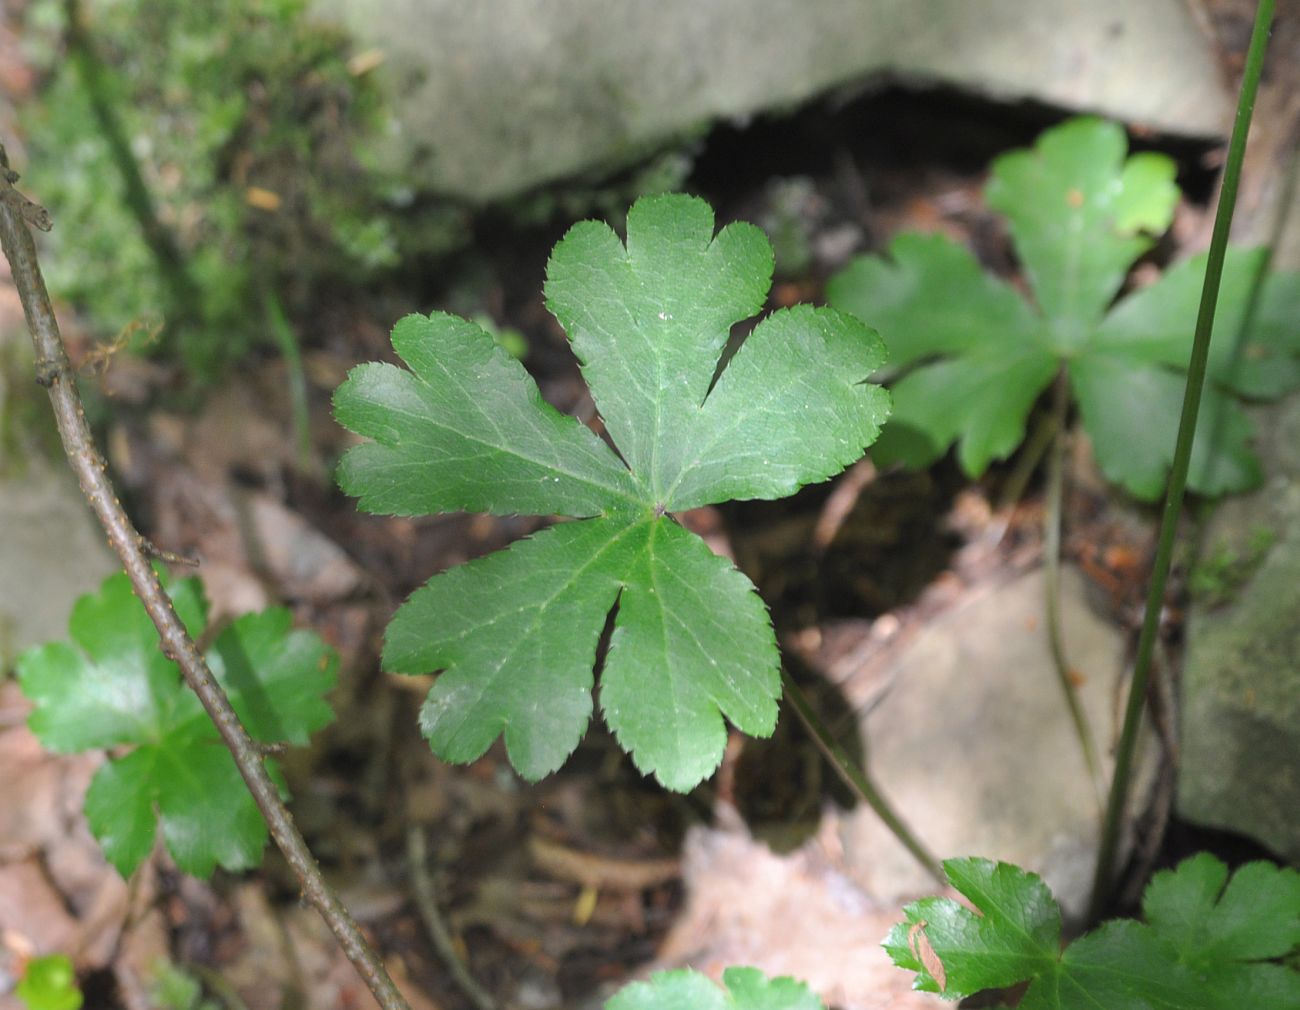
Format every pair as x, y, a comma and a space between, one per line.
1107, 852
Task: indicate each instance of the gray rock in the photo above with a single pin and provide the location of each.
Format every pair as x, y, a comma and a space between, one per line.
1240, 732
973, 744
1241, 683
795, 914
496, 96
51, 548
51, 552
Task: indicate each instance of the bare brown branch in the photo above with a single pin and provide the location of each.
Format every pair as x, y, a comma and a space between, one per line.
55, 373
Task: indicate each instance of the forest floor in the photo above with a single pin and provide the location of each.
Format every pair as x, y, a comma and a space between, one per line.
551, 893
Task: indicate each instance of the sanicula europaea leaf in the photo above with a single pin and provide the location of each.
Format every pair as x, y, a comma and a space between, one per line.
1209, 942
974, 355
111, 687
741, 989
463, 427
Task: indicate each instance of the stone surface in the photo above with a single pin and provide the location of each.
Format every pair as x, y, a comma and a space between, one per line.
51, 553
1240, 731
972, 742
494, 98
51, 548
795, 914
1241, 683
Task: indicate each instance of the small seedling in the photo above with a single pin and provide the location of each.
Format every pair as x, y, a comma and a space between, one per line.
197, 157
111, 688
1208, 943
743, 989
464, 427
977, 354
50, 983
174, 988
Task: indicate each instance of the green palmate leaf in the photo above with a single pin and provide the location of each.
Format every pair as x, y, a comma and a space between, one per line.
1208, 918
134, 684
933, 300
1080, 215
790, 409
692, 639
50, 983
745, 989
1015, 934
1130, 387
1121, 965
649, 321
1131, 411
111, 687
980, 355
1204, 947
1152, 324
464, 427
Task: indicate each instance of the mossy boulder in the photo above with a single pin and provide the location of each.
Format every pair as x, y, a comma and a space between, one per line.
1241, 684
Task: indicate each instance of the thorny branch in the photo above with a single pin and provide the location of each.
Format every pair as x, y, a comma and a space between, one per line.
54, 371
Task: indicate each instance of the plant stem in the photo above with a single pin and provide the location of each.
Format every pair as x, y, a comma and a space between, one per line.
1107, 852
54, 371
856, 778
1036, 446
426, 901
287, 341
1052, 577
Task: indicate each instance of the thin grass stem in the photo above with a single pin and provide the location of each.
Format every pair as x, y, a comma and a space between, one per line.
856, 778
287, 341
1107, 853
1052, 578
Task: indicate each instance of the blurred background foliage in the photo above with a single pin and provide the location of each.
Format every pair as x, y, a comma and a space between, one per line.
247, 124
210, 166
